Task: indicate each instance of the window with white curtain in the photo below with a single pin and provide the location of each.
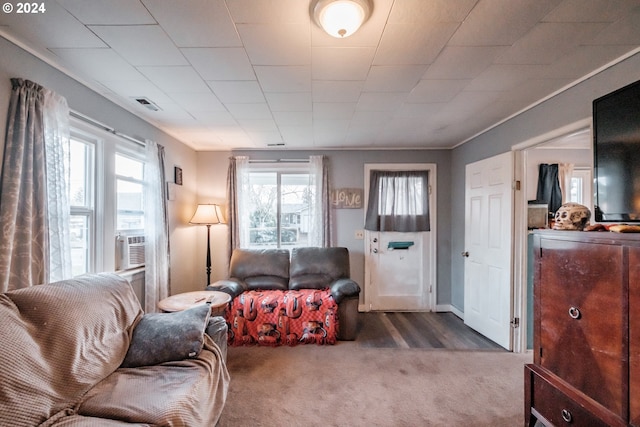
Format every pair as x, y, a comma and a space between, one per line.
278, 206
106, 195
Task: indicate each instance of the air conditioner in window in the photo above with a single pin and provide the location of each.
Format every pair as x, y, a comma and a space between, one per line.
129, 252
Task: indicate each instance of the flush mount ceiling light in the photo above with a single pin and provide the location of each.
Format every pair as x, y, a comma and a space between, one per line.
341, 18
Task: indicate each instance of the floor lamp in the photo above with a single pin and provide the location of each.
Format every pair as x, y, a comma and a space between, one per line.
208, 214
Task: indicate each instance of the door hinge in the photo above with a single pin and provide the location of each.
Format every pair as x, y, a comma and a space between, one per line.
516, 185
515, 322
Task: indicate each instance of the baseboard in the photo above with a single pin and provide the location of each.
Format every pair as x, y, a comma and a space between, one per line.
451, 308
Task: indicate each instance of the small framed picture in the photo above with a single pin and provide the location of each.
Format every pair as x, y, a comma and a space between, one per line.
177, 175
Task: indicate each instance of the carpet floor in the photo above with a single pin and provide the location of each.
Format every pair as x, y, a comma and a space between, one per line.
358, 384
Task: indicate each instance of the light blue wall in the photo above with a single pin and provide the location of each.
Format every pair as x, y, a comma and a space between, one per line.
564, 109
347, 170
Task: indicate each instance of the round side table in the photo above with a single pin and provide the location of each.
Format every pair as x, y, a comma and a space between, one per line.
187, 300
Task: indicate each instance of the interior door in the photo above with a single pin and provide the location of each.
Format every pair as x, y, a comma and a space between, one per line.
400, 268
488, 247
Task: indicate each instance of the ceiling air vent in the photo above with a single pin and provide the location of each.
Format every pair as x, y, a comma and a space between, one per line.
147, 103
279, 144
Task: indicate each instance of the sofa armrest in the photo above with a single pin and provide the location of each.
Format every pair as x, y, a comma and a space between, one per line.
344, 288
217, 329
231, 286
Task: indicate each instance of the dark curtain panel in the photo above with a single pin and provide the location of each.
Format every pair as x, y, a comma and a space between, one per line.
398, 201
549, 186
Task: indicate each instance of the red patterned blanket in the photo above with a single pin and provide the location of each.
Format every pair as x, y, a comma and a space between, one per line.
275, 318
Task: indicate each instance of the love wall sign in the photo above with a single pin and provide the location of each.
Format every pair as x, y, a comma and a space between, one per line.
346, 198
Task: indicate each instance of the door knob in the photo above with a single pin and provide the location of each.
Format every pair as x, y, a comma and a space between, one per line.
465, 254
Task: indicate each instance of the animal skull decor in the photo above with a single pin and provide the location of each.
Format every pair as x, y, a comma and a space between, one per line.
571, 216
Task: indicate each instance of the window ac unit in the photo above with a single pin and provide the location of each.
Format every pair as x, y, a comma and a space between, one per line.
130, 252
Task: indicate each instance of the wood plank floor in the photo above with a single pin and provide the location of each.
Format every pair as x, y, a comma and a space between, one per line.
426, 330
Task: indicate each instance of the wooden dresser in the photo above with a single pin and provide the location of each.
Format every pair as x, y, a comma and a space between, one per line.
586, 369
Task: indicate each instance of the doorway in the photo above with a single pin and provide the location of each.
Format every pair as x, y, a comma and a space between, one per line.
400, 267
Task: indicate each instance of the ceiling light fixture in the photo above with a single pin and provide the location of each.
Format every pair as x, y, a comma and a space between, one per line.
341, 18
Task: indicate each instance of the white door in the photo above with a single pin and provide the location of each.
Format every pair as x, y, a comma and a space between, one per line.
488, 247
400, 267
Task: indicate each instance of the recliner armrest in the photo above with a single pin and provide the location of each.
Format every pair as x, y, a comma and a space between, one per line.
344, 288
231, 286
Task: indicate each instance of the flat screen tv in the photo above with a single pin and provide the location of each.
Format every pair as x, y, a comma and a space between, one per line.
616, 147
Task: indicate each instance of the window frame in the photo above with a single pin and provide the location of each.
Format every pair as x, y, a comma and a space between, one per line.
103, 228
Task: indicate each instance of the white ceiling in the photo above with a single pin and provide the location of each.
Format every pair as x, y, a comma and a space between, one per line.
259, 73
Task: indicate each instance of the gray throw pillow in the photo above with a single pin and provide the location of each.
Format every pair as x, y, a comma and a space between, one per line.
166, 337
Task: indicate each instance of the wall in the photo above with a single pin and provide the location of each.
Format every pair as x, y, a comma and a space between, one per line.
19, 63
346, 170
563, 109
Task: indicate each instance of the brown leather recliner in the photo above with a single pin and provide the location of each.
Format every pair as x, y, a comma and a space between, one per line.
307, 268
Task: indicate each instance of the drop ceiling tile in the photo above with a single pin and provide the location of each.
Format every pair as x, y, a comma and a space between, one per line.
141, 45
412, 43
138, 89
500, 22
294, 118
418, 111
393, 78
285, 11
300, 136
56, 28
108, 12
380, 101
276, 44
213, 24
625, 31
240, 92
291, 78
333, 110
250, 111
198, 101
171, 114
337, 91
533, 48
175, 79
590, 10
265, 138
98, 64
434, 91
258, 125
220, 63
462, 62
583, 60
420, 11
501, 77
289, 101
341, 63
214, 118
371, 118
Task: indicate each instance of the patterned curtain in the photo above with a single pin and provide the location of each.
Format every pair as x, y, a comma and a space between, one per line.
157, 254
320, 218
34, 200
398, 201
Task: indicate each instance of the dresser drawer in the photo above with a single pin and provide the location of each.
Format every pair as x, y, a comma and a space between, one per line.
557, 408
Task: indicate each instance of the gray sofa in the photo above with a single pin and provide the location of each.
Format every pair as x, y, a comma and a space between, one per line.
81, 352
304, 268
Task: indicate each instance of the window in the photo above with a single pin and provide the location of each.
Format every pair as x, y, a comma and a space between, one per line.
106, 189
279, 204
580, 190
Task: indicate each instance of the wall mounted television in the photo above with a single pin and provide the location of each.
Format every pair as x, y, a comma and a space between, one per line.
616, 148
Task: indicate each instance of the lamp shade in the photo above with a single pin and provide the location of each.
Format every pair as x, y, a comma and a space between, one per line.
341, 18
207, 214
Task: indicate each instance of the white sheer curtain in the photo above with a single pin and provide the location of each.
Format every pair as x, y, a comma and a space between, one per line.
56, 141
565, 171
243, 200
320, 210
156, 224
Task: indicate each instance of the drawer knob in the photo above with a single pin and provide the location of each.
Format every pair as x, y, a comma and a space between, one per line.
574, 313
566, 415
